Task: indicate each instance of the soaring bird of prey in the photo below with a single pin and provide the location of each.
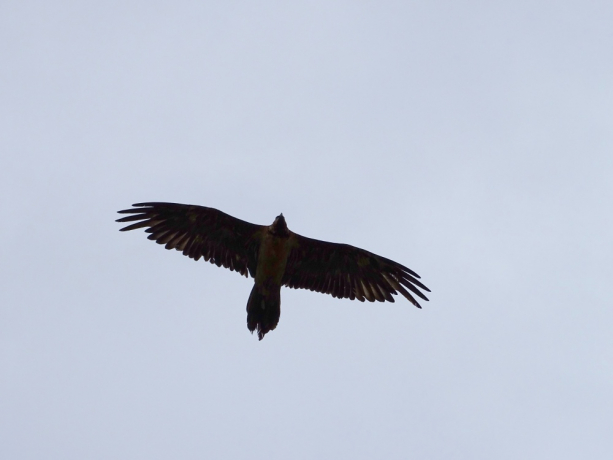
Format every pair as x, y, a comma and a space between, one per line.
274, 256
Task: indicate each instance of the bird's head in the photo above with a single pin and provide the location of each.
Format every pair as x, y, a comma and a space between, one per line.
279, 226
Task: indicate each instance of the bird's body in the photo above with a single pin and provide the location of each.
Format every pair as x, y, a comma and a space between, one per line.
274, 256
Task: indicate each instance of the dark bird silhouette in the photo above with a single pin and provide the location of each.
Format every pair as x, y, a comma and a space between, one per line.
274, 256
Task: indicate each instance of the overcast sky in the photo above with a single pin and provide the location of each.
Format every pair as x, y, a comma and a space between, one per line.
471, 141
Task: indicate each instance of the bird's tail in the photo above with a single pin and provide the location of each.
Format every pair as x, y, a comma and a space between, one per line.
263, 309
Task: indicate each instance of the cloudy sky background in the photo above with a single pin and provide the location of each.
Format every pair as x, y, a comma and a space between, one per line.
470, 141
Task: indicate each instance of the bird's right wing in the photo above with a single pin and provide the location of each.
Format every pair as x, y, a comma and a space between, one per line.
199, 231
345, 271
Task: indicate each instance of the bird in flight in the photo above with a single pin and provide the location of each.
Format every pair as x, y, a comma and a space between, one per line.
274, 256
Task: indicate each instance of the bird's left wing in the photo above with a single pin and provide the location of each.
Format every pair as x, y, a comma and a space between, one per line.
198, 231
345, 271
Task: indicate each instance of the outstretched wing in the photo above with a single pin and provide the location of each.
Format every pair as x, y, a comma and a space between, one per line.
198, 231
348, 272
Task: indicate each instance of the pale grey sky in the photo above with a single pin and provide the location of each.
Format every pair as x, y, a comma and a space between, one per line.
470, 141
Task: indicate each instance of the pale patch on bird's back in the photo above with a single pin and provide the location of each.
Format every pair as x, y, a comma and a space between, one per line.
363, 261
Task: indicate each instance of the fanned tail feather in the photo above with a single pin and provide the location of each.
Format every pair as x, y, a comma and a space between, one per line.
263, 309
